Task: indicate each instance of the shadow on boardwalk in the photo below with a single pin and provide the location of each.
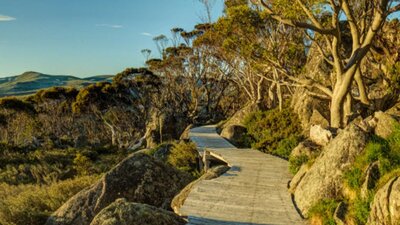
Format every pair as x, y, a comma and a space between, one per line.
205, 221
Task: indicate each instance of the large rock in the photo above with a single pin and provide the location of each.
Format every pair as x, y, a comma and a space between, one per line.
239, 116
385, 208
234, 134
318, 119
122, 212
325, 178
308, 110
139, 178
305, 148
395, 111
383, 124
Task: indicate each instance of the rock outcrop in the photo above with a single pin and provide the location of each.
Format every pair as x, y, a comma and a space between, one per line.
139, 178
239, 116
307, 148
325, 177
122, 212
383, 124
309, 110
234, 134
385, 208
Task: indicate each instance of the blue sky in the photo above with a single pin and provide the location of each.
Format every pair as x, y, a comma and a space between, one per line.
87, 37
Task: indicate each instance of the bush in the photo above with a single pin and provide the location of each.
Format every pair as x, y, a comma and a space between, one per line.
324, 211
296, 162
387, 152
17, 105
184, 156
361, 208
276, 132
82, 164
3, 120
161, 151
32, 204
353, 178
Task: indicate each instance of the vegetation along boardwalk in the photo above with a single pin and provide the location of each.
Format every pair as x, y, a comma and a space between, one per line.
253, 191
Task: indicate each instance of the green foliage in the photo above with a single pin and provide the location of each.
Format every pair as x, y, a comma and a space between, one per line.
16, 104
286, 145
360, 209
324, 210
387, 152
99, 93
161, 151
183, 156
32, 204
235, 3
54, 93
354, 177
136, 76
296, 162
394, 72
82, 164
21, 166
3, 120
274, 131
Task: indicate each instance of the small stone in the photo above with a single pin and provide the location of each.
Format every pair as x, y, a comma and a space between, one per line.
320, 136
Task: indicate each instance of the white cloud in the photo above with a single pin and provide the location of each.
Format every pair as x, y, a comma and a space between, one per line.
6, 18
114, 26
146, 34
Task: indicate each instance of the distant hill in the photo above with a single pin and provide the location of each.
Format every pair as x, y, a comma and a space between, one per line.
31, 82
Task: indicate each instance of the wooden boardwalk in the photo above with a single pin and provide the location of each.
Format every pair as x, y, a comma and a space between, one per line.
253, 191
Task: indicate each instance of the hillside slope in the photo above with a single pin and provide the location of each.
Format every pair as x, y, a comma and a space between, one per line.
31, 82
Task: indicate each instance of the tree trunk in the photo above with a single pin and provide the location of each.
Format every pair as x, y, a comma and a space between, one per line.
336, 111
347, 109
361, 87
340, 92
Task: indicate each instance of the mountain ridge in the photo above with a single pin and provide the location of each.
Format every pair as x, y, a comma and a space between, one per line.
31, 82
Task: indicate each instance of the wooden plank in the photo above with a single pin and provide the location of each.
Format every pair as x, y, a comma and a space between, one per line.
253, 191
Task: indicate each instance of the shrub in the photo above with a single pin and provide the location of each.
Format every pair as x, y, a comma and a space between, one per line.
394, 72
32, 204
324, 210
3, 120
361, 208
53, 93
17, 105
387, 152
183, 156
161, 151
296, 162
276, 132
82, 164
353, 178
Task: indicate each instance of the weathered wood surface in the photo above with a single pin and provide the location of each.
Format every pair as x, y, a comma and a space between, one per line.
253, 191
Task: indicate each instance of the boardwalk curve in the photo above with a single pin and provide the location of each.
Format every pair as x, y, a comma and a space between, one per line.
253, 191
